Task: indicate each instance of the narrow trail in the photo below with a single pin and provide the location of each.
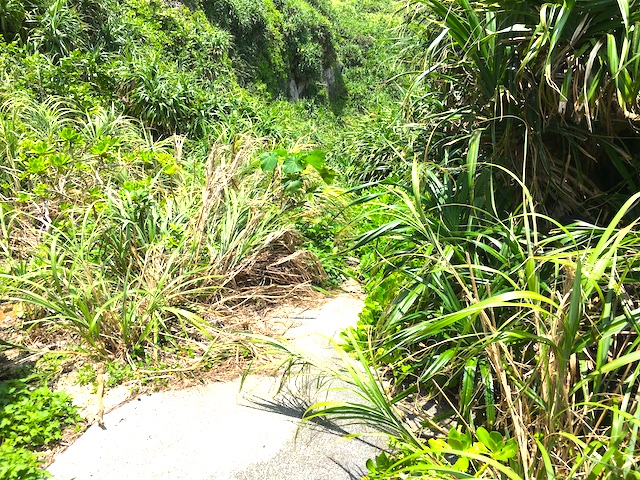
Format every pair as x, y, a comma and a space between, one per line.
218, 432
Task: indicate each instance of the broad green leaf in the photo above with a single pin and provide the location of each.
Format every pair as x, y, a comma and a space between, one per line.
508, 451
292, 165
458, 440
327, 174
485, 438
481, 459
370, 465
268, 161
171, 169
438, 444
293, 186
316, 159
462, 464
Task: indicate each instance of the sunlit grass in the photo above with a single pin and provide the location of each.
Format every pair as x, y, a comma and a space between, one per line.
529, 334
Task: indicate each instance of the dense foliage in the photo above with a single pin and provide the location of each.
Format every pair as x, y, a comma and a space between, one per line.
552, 86
131, 190
162, 160
155, 173
488, 295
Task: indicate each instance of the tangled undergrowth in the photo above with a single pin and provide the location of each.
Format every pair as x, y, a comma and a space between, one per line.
147, 242
158, 188
504, 273
497, 142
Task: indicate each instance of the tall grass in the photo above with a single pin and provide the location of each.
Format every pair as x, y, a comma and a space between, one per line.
527, 339
490, 298
126, 241
553, 85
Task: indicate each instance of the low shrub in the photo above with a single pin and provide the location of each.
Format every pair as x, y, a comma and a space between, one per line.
30, 418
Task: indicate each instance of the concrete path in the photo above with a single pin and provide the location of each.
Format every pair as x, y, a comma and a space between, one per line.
216, 432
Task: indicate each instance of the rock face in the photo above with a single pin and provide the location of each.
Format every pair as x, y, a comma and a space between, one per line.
332, 77
286, 44
298, 89
329, 76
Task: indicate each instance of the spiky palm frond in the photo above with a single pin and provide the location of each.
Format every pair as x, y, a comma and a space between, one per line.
555, 84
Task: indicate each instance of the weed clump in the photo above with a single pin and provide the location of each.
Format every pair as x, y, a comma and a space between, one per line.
30, 418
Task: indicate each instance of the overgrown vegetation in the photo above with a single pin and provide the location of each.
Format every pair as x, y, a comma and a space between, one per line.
552, 87
156, 175
134, 200
488, 294
528, 336
164, 163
